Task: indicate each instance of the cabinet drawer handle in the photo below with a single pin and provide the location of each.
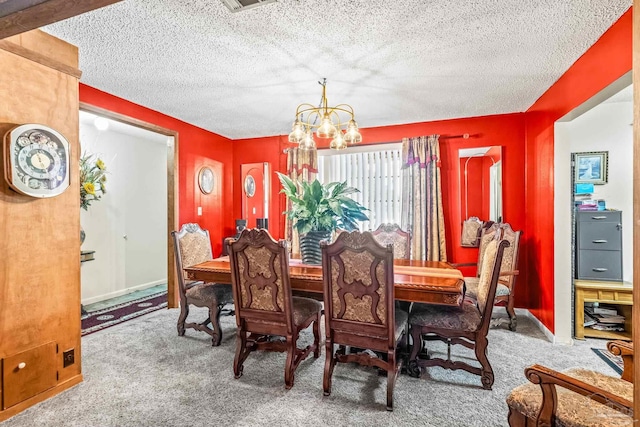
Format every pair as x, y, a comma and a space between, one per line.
599, 241
598, 217
599, 269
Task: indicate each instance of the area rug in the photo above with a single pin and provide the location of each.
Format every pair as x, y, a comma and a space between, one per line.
612, 360
101, 319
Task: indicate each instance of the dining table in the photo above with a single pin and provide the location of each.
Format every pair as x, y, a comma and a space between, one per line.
433, 282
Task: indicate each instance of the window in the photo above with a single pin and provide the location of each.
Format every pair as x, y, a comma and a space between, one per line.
373, 170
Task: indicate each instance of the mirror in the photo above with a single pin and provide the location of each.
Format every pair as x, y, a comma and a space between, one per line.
481, 183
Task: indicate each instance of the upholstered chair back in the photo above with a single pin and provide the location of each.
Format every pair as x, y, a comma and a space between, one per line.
488, 234
192, 246
488, 282
260, 277
392, 234
358, 286
510, 256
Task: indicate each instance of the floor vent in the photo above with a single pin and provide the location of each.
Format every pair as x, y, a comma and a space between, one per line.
238, 5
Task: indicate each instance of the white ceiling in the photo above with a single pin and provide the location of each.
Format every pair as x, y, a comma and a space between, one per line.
243, 74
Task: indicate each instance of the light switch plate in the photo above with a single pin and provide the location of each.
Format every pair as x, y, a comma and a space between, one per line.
199, 210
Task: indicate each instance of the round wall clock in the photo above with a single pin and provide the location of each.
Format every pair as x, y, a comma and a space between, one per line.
249, 186
205, 180
36, 160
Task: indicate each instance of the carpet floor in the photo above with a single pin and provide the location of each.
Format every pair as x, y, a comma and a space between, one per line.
140, 373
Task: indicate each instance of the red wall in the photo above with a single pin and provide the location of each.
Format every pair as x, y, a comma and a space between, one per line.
505, 130
196, 148
607, 60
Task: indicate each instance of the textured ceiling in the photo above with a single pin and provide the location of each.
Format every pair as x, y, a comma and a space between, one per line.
243, 74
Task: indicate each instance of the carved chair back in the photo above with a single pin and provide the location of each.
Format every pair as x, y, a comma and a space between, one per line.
358, 289
260, 278
191, 246
488, 282
510, 256
488, 234
392, 234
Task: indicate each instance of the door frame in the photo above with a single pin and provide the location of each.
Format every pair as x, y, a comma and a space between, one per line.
172, 186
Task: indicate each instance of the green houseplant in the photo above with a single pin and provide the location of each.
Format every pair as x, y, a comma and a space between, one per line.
317, 210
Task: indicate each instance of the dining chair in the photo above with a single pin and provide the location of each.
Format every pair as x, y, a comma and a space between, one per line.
193, 246
505, 292
575, 397
264, 305
359, 306
392, 234
467, 324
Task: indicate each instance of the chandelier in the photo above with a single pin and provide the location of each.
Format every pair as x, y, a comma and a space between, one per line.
337, 123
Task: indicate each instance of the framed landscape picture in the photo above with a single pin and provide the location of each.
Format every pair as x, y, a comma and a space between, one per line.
591, 167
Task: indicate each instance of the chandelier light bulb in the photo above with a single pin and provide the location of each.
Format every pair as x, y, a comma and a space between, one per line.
308, 143
353, 136
297, 132
338, 143
327, 129
101, 123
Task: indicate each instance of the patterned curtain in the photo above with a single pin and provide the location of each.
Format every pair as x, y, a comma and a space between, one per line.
422, 198
302, 165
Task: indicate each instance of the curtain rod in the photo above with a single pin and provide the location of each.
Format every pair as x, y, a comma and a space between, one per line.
463, 136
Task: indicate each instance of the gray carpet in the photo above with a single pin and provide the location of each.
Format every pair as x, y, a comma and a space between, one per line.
140, 373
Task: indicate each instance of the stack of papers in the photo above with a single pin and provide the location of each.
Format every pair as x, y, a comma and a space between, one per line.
603, 318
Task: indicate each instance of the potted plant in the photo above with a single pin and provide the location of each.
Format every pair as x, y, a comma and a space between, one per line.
318, 210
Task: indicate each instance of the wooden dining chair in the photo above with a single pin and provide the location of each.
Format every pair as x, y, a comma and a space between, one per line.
392, 234
193, 246
467, 325
505, 292
264, 304
359, 306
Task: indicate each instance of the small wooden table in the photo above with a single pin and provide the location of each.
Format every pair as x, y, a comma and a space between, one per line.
619, 294
431, 282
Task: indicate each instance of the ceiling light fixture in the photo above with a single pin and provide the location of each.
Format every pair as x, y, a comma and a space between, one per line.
332, 120
101, 123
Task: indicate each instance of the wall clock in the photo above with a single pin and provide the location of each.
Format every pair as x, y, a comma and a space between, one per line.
205, 180
36, 160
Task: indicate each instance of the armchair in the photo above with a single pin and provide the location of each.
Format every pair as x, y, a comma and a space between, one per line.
576, 397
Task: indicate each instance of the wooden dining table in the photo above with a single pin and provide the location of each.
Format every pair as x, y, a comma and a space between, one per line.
433, 282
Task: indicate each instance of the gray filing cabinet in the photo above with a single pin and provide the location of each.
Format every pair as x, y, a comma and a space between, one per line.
599, 245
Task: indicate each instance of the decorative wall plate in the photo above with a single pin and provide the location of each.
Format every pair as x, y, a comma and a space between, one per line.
36, 160
249, 186
206, 180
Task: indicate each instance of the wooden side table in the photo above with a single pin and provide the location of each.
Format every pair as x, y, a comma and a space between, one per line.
619, 294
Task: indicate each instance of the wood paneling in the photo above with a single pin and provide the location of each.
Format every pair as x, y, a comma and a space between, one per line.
636, 204
18, 16
28, 373
40, 266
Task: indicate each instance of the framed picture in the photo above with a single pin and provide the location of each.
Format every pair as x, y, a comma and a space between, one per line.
591, 167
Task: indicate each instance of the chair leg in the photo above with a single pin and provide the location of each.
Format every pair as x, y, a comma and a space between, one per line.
481, 354
391, 378
329, 364
214, 317
184, 312
412, 367
289, 367
316, 336
513, 322
241, 353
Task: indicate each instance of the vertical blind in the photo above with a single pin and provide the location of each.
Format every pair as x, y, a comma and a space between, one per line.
375, 173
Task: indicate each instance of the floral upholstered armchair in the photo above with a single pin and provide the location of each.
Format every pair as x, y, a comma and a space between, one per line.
576, 397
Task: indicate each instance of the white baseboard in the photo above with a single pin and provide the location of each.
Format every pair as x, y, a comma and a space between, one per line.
121, 292
547, 333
